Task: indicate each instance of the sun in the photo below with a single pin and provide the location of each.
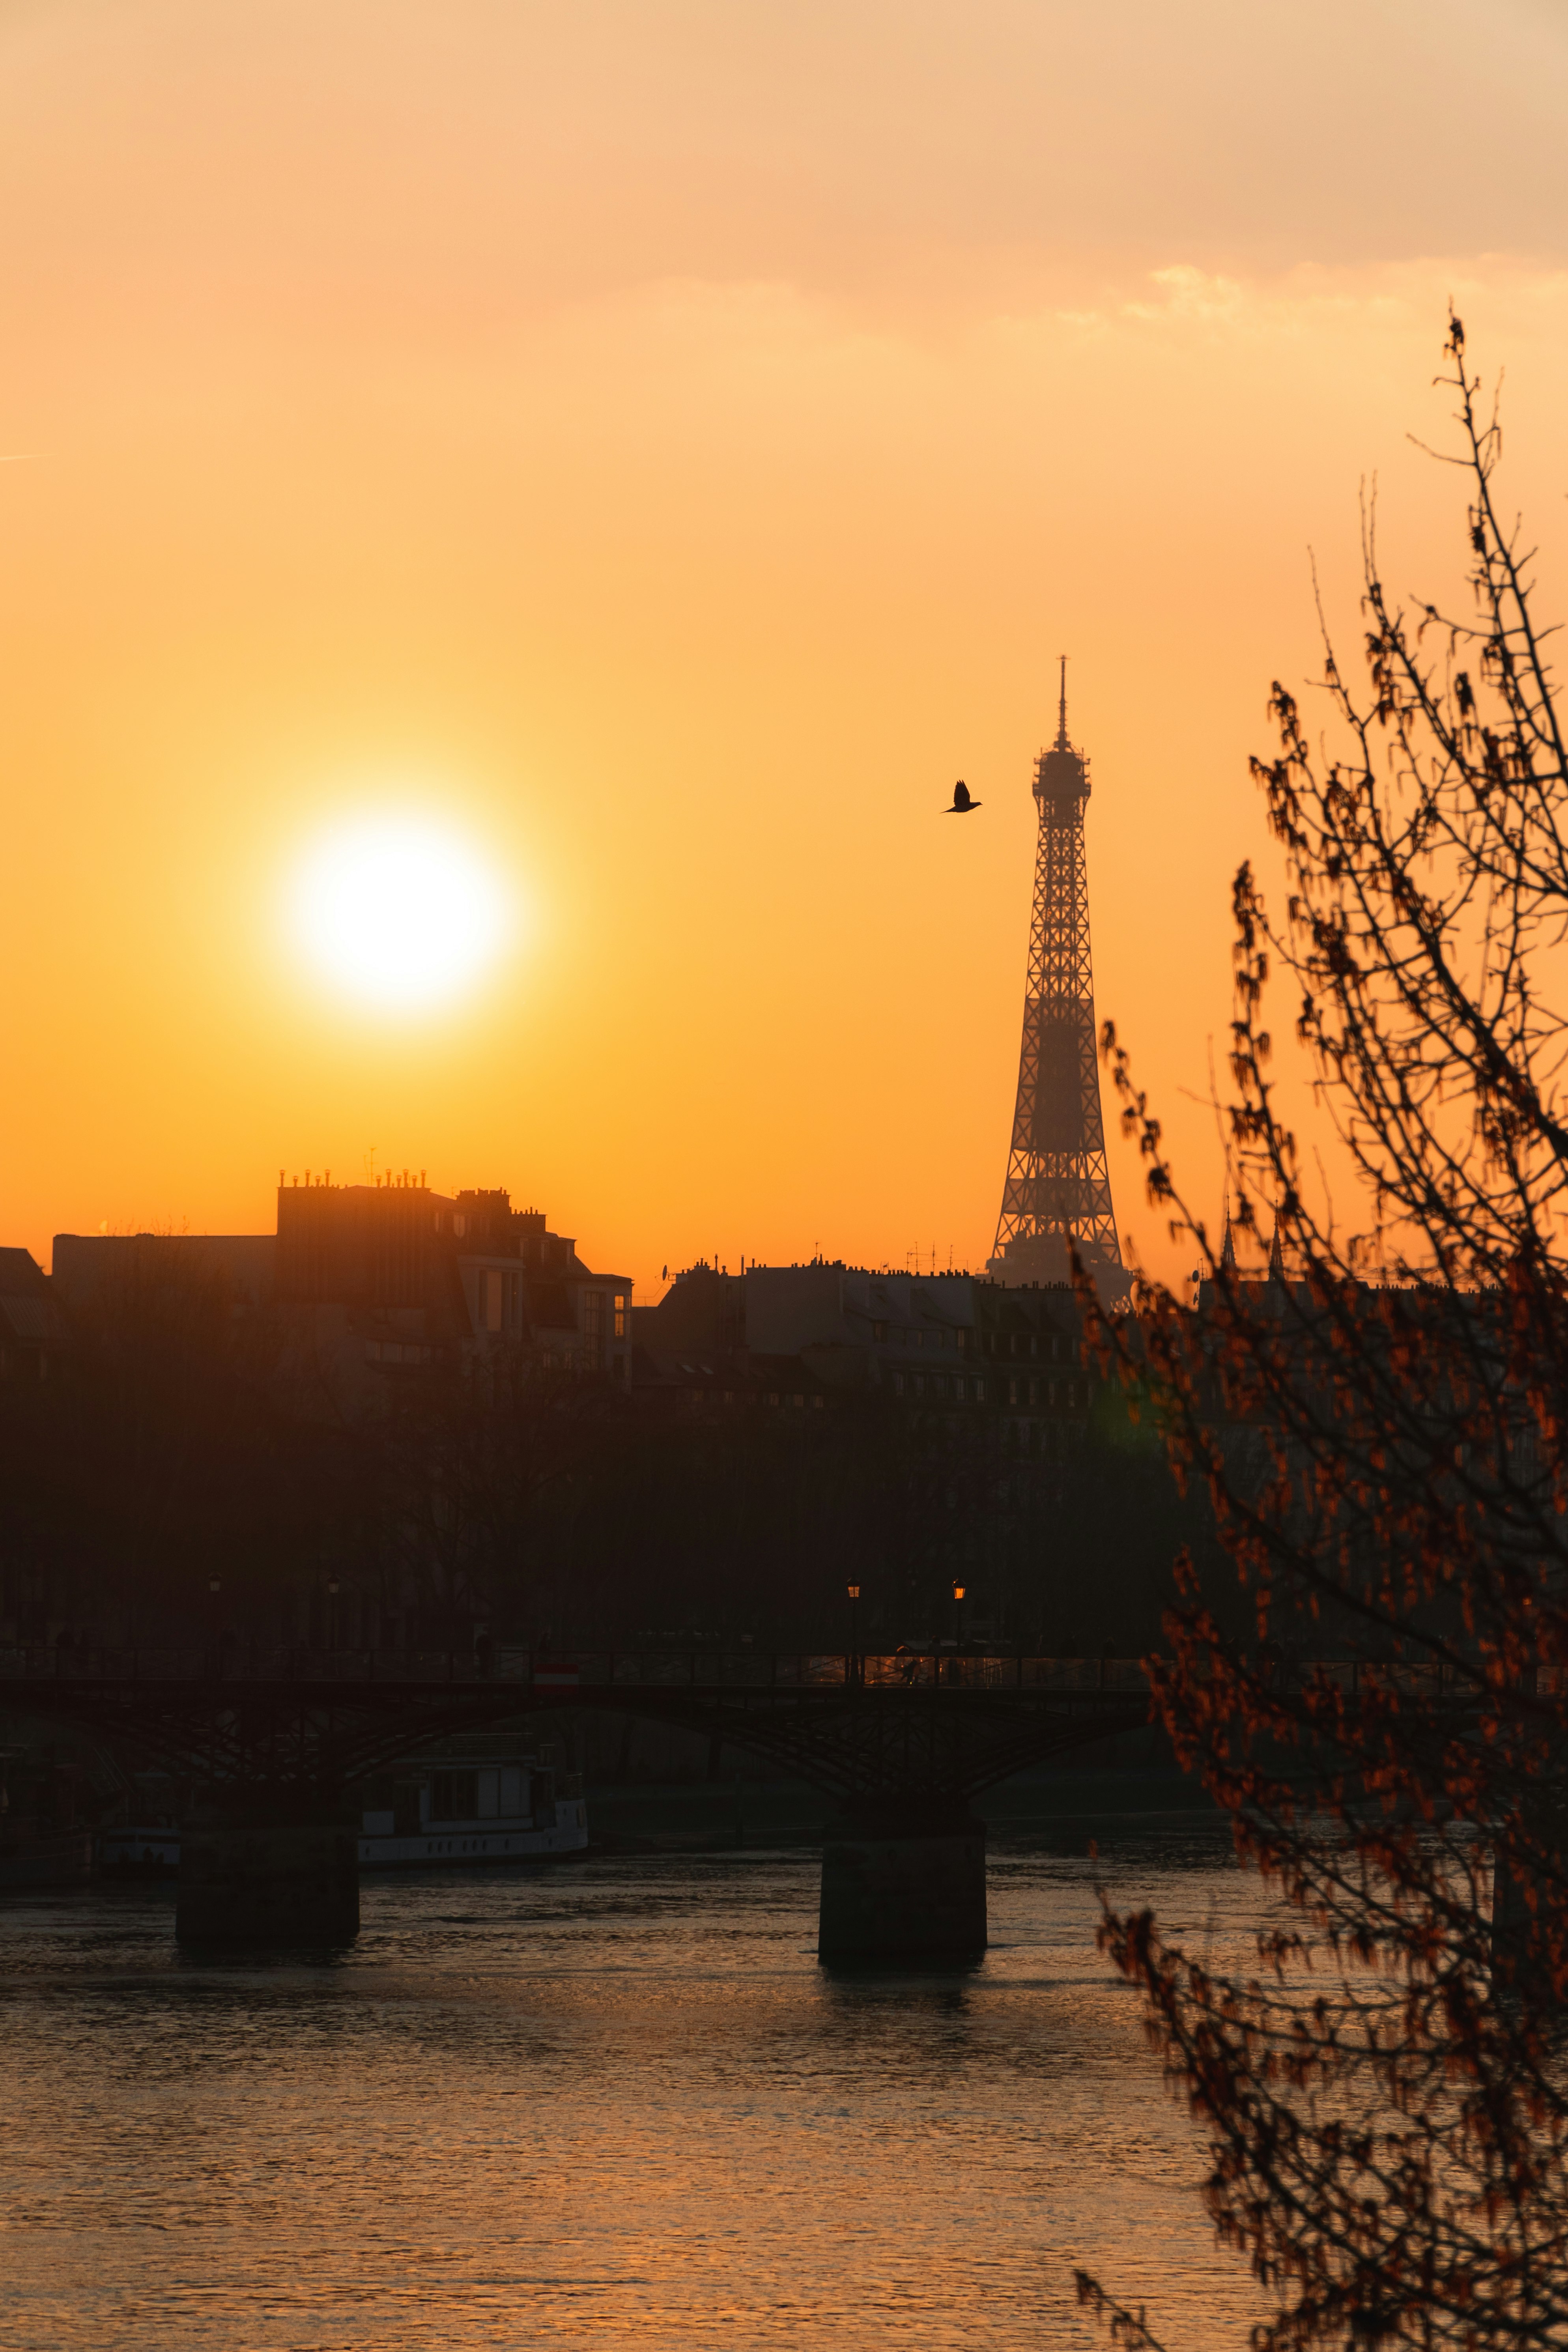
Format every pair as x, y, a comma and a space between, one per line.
400, 913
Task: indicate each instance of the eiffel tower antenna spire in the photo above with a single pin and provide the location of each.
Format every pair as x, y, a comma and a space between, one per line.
1056, 1195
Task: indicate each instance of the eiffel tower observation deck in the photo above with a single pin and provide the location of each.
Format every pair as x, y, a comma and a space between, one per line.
1056, 1197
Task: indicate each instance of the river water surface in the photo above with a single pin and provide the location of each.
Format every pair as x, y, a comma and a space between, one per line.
617, 2103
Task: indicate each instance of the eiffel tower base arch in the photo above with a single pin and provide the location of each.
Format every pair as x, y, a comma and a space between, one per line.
902, 1884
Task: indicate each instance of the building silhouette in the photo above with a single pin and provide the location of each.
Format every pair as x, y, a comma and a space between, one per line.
369, 1280
1057, 1196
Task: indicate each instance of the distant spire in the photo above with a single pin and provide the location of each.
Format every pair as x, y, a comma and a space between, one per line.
1276, 1256
1227, 1248
1061, 743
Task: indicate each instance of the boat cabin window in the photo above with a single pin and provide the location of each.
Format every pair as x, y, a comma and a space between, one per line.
455, 1797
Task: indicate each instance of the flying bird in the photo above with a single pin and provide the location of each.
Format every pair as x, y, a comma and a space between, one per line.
961, 803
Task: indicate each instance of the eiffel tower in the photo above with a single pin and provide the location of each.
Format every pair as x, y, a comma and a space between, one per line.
1058, 1192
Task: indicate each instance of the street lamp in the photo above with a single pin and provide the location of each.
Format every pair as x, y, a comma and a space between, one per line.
958, 1593
854, 1591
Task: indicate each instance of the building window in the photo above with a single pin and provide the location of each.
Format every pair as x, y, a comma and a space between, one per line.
459, 1226
878, 1333
979, 1392
593, 1328
898, 1384
621, 1314
938, 1385
920, 1384
1012, 1391
490, 1304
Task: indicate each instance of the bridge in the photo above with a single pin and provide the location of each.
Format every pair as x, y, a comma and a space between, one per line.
899, 1745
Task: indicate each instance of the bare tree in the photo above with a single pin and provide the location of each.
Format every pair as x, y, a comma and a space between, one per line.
1379, 1427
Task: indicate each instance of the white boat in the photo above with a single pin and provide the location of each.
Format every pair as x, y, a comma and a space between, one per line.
472, 1806
147, 1850
475, 1803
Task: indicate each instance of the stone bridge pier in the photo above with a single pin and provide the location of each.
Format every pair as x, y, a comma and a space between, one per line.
902, 1881
280, 1869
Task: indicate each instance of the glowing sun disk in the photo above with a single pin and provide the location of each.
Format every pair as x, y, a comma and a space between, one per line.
398, 912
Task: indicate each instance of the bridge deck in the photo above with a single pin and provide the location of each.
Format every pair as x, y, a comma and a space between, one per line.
929, 1727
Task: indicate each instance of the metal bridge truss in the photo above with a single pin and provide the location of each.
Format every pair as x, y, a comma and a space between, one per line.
920, 1731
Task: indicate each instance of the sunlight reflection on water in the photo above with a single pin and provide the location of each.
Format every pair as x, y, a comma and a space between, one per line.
619, 2101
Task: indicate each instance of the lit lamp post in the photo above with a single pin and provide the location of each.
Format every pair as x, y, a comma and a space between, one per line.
854, 1674
958, 1592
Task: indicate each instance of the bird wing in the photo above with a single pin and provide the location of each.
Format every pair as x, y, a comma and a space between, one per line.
960, 796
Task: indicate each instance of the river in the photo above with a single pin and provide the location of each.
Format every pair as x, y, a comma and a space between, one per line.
617, 2103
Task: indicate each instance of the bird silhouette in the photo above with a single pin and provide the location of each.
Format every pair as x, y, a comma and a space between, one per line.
961, 803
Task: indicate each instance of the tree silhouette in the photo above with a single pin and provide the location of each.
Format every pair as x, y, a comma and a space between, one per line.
1379, 1427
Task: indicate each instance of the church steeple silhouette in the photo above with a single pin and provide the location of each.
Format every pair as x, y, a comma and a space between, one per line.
1227, 1246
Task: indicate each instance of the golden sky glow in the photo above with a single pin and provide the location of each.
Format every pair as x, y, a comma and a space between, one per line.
662, 447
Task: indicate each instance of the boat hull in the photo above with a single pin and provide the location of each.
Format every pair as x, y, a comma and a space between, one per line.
446, 1847
155, 1854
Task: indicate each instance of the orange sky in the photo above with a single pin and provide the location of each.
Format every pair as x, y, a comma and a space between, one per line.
673, 442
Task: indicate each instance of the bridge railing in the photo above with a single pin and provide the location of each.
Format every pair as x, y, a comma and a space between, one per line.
670, 1664
243, 1662
668, 1668
745, 1669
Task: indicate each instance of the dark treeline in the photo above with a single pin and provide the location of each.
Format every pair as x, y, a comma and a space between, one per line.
188, 1444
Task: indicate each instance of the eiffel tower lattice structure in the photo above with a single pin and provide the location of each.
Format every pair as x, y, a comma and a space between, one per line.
1056, 1197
